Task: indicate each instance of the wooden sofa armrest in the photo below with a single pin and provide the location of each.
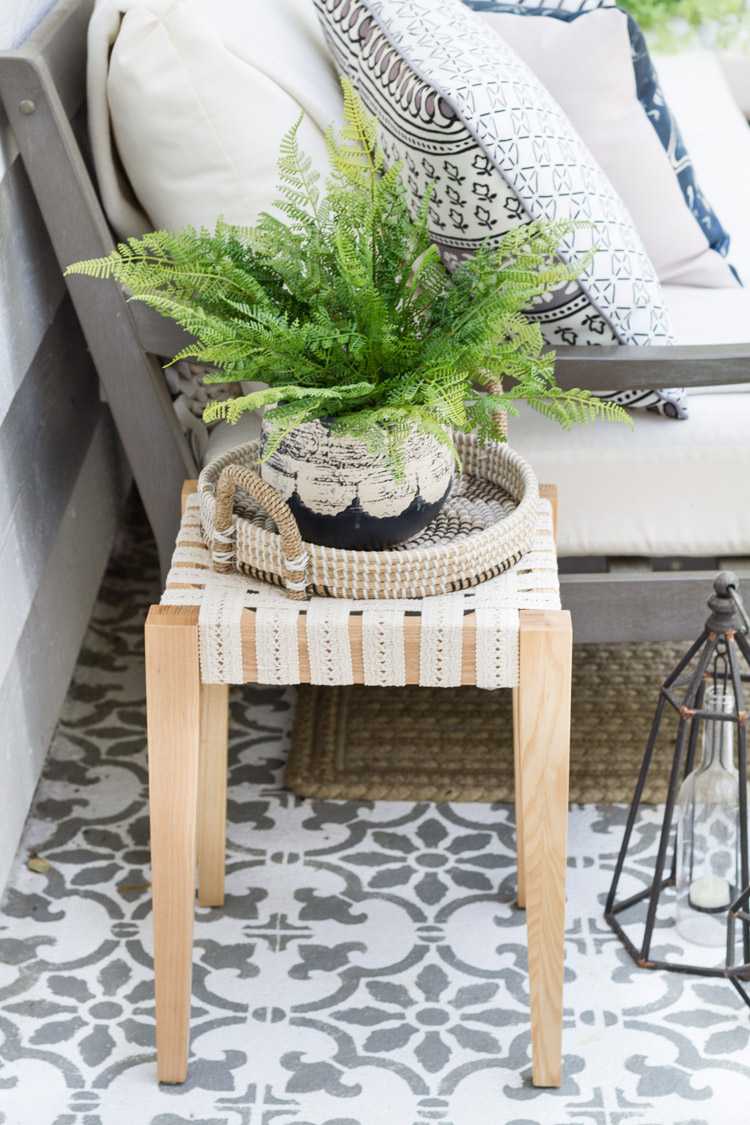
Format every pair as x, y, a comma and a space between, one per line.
594, 369
42, 90
682, 365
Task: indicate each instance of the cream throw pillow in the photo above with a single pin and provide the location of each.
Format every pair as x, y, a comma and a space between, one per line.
199, 94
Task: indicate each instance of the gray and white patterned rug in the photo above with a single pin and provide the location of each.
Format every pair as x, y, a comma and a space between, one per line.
369, 965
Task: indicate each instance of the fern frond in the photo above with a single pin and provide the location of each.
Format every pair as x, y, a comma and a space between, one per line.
578, 407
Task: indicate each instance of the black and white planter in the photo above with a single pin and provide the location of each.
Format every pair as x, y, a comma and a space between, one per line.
342, 496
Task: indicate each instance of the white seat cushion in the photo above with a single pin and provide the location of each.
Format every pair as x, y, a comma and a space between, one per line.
671, 490
656, 490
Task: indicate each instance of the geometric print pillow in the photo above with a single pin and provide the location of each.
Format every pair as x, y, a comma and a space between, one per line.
463, 112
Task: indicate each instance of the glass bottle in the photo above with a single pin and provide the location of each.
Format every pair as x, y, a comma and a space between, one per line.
708, 831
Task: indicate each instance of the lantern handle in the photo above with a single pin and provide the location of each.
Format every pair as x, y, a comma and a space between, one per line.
735, 596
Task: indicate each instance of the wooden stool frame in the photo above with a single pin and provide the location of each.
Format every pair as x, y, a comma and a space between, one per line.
187, 753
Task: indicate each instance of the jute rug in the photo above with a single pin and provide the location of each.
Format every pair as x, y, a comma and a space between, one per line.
456, 744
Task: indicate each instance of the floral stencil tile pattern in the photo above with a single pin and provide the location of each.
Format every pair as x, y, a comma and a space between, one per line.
368, 966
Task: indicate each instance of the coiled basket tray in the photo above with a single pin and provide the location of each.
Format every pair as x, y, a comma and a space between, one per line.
487, 524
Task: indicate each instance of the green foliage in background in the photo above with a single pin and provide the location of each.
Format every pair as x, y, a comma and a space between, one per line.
343, 307
671, 24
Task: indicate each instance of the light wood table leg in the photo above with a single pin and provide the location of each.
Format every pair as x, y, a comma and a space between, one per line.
544, 746
549, 491
212, 794
520, 862
173, 705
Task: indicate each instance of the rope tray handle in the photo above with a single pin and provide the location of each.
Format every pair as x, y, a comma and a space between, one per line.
295, 558
499, 417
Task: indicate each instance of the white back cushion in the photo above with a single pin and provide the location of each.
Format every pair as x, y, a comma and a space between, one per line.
200, 93
587, 65
717, 136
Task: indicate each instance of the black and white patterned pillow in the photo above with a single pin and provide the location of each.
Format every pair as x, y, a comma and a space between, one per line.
463, 111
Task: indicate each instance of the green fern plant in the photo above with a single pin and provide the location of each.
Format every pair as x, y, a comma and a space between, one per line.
341, 305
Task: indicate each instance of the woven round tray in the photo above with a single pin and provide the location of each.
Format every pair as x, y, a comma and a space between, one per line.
487, 524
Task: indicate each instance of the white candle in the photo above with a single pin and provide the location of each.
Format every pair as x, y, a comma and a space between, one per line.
711, 892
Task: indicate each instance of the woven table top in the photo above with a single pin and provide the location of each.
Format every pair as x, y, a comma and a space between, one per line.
251, 632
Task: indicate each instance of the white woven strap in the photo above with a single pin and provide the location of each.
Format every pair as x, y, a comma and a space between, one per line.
276, 644
383, 645
441, 641
200, 576
219, 633
195, 555
328, 643
497, 646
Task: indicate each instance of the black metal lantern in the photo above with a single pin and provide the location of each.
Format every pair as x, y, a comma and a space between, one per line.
709, 866
739, 974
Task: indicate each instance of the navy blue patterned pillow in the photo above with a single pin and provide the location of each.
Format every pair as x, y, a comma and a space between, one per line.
596, 64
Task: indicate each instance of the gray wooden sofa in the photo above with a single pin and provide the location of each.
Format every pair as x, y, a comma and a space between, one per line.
42, 86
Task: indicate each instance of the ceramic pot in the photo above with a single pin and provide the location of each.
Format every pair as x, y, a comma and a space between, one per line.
342, 496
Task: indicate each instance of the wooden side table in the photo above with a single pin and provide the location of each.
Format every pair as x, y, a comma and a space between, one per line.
187, 752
